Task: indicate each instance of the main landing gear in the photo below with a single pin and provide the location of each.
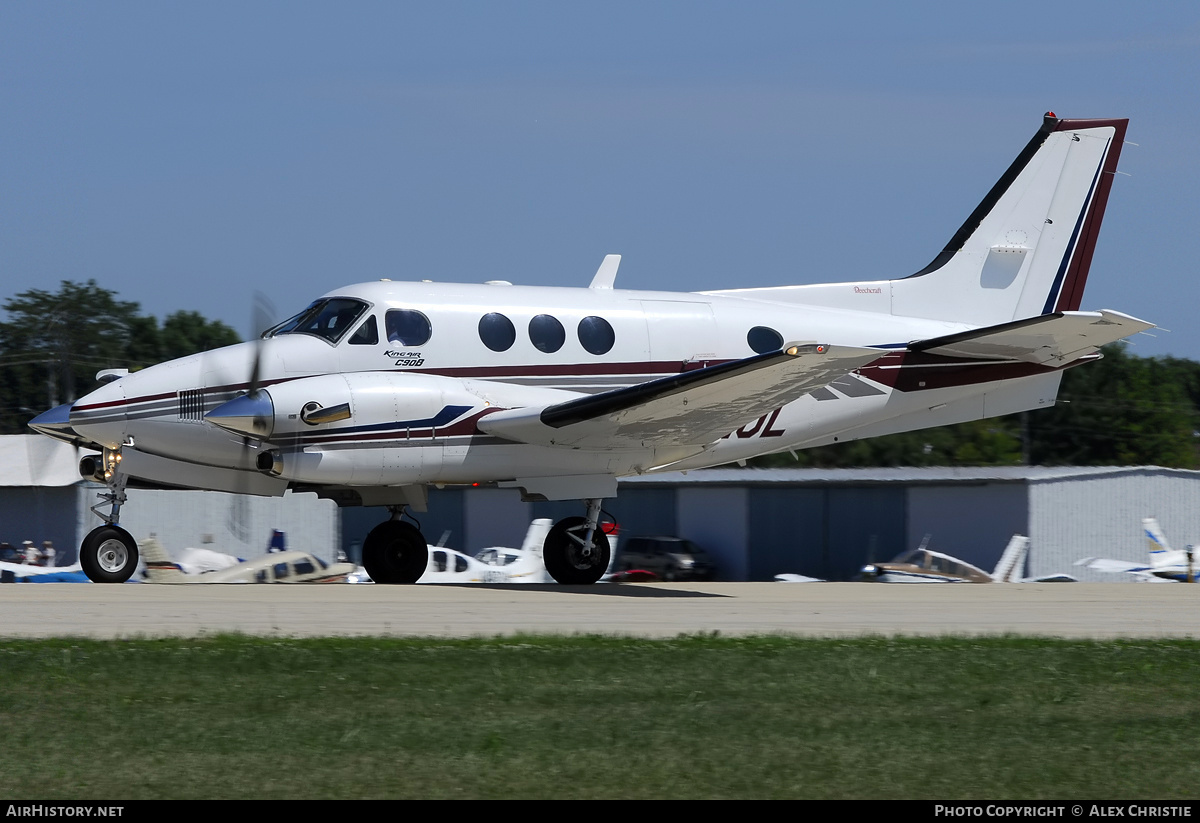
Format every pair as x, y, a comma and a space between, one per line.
395, 551
576, 550
109, 554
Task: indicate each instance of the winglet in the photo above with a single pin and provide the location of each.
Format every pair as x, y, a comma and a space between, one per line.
607, 273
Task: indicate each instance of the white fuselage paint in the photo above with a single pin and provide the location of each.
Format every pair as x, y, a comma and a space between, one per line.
413, 406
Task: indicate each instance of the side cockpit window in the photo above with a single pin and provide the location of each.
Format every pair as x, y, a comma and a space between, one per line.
329, 319
367, 334
408, 327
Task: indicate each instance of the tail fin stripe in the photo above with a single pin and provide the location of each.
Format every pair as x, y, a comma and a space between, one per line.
1072, 294
1057, 287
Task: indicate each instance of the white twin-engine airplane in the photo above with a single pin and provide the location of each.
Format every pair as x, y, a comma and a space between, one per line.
379, 390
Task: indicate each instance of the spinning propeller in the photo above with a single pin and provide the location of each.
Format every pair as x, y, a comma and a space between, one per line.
251, 414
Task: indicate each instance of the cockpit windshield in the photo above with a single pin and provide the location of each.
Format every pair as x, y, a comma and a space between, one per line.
330, 318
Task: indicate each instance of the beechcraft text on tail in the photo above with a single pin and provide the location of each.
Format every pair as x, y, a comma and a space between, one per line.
377, 391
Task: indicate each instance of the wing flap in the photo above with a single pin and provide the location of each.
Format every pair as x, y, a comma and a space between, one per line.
1049, 339
692, 408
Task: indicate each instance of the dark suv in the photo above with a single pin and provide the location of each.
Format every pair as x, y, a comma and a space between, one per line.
671, 558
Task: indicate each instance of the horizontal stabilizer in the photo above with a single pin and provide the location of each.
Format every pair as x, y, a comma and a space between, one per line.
692, 408
1051, 339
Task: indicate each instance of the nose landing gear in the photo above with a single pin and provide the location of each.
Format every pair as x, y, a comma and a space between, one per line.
109, 554
576, 551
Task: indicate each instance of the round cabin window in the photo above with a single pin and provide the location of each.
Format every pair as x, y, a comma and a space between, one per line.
497, 332
762, 339
596, 335
547, 333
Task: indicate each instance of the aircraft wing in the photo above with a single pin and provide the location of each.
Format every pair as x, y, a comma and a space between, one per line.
1108, 566
692, 408
1055, 338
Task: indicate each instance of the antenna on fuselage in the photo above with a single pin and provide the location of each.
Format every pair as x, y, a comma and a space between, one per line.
607, 273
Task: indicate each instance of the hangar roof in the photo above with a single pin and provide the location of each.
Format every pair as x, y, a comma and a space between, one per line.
906, 475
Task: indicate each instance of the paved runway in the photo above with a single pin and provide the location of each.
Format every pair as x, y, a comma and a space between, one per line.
644, 610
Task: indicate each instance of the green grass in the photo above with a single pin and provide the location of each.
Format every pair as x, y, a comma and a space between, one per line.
600, 717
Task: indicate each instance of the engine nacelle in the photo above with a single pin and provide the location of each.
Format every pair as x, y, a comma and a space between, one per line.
91, 468
99, 467
361, 428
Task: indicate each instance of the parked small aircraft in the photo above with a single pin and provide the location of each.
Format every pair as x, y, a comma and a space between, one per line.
375, 392
523, 565
27, 573
1166, 564
495, 564
922, 565
201, 561
274, 567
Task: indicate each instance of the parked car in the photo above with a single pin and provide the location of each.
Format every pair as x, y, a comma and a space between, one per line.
671, 558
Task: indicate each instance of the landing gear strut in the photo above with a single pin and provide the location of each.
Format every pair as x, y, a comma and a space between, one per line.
576, 551
109, 554
395, 551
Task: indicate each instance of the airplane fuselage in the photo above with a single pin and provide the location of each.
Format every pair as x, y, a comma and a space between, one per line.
380, 390
421, 363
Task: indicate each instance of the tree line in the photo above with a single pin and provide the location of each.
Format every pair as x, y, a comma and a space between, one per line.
52, 344
1121, 410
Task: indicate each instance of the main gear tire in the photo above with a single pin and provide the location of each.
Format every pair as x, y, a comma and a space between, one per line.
568, 560
395, 552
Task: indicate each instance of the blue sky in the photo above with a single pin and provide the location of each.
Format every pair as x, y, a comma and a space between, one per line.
186, 155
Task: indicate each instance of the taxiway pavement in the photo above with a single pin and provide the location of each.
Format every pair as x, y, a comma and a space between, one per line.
1079, 610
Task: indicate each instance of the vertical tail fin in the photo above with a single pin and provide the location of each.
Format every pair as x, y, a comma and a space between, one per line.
1011, 567
1156, 541
535, 535
160, 568
1027, 247
1023, 252
1161, 554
